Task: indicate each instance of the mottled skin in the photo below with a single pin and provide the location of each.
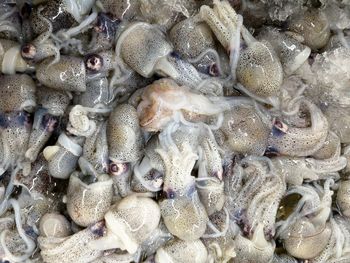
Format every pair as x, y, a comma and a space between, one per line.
291, 58
124, 135
15, 128
126, 229
74, 248
68, 74
259, 70
145, 50
63, 157
190, 38
294, 141
243, 131
313, 26
307, 231
17, 93
178, 250
122, 10
88, 203
56, 12
182, 198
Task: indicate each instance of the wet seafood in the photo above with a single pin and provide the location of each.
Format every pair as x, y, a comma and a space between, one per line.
177, 131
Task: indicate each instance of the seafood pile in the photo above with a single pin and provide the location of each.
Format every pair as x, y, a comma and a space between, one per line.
174, 131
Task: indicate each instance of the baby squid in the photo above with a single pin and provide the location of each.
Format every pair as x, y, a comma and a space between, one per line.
259, 69
54, 225
61, 14
164, 101
313, 26
124, 135
307, 231
291, 53
343, 197
255, 249
87, 202
128, 224
17, 93
295, 141
71, 248
243, 131
181, 209
191, 38
11, 60
178, 250
145, 49
68, 74
63, 157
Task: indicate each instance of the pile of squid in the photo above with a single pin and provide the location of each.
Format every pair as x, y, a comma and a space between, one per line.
174, 131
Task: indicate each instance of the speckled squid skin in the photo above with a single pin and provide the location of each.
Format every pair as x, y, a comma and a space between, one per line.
17, 93
15, 128
87, 204
63, 157
124, 136
313, 26
56, 12
308, 235
178, 250
182, 198
67, 74
126, 229
74, 248
43, 126
294, 141
243, 131
259, 70
142, 47
191, 38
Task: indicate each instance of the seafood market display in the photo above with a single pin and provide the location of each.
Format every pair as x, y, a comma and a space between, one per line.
174, 131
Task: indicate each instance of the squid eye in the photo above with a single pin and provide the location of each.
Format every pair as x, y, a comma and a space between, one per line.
28, 51
94, 63
119, 168
214, 70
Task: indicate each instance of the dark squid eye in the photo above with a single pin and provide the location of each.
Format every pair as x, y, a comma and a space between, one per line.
28, 51
94, 62
117, 169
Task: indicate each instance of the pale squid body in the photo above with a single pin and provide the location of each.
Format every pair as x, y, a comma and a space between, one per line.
10, 57
294, 141
255, 249
95, 148
313, 26
291, 58
73, 248
177, 250
145, 49
68, 74
17, 93
257, 67
46, 119
243, 131
182, 209
124, 136
63, 157
88, 203
15, 130
307, 231
129, 223
191, 38
164, 100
